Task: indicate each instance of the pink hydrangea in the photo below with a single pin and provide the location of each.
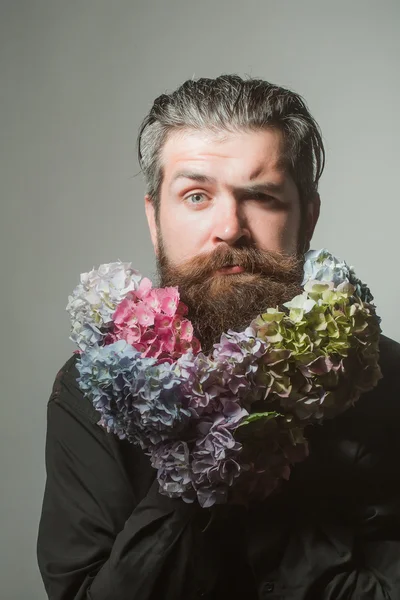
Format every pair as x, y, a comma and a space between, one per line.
152, 320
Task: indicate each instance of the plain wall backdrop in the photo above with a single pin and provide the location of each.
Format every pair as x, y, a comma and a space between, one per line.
76, 78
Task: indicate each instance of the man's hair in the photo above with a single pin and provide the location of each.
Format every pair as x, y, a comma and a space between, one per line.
230, 103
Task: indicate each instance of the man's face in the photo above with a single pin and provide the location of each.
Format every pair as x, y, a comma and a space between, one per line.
229, 216
217, 189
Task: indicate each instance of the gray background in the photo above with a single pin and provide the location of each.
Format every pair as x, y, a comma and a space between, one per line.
76, 78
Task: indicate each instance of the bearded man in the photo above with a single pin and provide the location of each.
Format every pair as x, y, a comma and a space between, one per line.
232, 169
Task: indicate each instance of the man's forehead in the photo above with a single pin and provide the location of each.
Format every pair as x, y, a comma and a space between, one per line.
190, 152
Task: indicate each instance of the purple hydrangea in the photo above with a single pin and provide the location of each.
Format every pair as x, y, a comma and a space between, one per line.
174, 473
238, 356
201, 381
216, 462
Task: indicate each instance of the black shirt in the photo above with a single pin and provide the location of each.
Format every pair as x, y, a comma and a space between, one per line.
331, 533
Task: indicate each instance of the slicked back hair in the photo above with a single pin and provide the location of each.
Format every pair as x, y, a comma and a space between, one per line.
230, 103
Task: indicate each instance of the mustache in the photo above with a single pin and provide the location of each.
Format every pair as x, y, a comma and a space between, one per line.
274, 265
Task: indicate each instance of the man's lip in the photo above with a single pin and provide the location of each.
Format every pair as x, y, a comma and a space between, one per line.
231, 269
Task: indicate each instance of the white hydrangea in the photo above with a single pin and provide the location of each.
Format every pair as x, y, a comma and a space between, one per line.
95, 299
301, 302
321, 265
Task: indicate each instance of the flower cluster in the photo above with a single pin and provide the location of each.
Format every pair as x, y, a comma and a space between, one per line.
94, 300
137, 398
321, 265
327, 349
152, 321
229, 424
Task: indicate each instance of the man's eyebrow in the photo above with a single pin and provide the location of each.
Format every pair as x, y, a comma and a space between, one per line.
267, 187
199, 177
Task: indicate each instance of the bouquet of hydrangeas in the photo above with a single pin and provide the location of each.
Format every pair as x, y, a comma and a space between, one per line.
233, 420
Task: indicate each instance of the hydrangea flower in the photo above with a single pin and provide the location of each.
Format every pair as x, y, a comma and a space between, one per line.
138, 399
174, 473
216, 462
231, 424
153, 322
321, 265
271, 445
95, 299
237, 356
324, 333
201, 381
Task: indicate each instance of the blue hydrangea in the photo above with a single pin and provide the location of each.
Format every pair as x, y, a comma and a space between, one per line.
137, 398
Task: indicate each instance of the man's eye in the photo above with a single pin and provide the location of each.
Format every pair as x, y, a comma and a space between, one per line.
196, 198
261, 197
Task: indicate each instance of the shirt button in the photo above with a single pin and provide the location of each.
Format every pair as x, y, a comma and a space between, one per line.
267, 588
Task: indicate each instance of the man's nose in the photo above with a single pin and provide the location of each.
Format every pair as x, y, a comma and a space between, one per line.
230, 226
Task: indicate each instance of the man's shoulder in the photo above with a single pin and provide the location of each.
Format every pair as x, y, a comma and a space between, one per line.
74, 417
67, 393
389, 358
382, 403
389, 361
359, 444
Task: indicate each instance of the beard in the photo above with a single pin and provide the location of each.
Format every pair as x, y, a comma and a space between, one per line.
218, 302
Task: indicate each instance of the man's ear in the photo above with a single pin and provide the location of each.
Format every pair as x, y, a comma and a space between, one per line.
312, 216
151, 220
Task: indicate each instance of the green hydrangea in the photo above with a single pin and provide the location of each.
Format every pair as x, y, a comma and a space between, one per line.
323, 352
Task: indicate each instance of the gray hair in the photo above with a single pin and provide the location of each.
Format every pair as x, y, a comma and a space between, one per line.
230, 103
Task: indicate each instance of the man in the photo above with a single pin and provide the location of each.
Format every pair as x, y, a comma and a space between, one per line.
232, 169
